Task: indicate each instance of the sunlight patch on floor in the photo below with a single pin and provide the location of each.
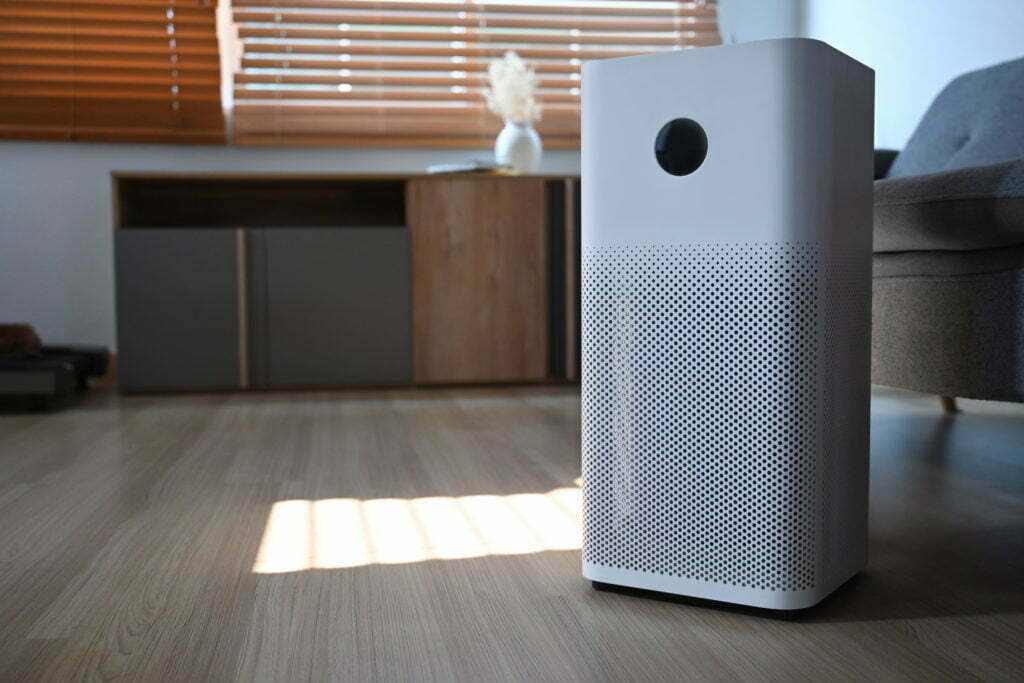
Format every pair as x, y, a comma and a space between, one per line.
333, 533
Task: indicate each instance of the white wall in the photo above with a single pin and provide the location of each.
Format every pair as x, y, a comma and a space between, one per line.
915, 48
56, 245
741, 21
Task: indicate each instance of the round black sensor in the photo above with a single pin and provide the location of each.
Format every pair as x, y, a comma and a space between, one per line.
681, 146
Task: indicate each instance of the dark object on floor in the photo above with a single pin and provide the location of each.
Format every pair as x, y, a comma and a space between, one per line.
948, 313
49, 378
19, 339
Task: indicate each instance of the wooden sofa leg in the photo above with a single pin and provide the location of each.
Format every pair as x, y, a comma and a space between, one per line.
949, 404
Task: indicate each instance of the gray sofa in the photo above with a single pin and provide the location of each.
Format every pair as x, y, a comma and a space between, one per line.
948, 312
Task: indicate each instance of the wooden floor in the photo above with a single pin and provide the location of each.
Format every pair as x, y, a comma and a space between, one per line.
130, 529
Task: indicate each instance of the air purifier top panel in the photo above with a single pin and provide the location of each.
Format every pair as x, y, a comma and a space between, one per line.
779, 118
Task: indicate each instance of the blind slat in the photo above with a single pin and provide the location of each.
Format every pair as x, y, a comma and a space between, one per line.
127, 60
105, 30
398, 124
364, 79
72, 74
110, 91
305, 62
473, 19
375, 141
376, 94
131, 62
481, 36
455, 112
438, 51
705, 10
212, 135
61, 43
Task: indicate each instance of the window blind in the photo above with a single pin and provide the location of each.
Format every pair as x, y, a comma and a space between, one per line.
413, 72
121, 70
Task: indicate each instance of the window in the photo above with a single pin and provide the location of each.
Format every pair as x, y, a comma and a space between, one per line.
412, 73
311, 72
120, 70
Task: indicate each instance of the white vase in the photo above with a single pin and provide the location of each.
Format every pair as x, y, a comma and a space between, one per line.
518, 147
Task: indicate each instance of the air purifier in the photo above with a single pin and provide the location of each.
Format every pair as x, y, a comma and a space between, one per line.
726, 265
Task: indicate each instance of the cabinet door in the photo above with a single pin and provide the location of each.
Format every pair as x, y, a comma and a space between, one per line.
336, 306
177, 308
479, 279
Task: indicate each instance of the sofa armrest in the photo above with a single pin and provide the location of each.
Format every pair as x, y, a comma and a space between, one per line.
883, 161
979, 207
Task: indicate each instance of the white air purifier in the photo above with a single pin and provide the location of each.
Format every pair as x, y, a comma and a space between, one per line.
727, 207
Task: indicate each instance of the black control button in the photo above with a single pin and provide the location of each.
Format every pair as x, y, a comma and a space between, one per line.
681, 146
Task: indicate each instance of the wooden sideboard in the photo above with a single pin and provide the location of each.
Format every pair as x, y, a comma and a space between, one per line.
259, 281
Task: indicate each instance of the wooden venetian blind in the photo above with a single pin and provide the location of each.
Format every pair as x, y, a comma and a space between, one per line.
116, 70
412, 72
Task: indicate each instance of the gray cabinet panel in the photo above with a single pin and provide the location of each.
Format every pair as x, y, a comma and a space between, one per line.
336, 306
177, 308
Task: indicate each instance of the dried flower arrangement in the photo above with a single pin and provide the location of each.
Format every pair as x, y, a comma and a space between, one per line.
511, 95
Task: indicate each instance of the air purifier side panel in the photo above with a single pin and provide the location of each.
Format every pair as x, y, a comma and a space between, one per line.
842, 470
844, 191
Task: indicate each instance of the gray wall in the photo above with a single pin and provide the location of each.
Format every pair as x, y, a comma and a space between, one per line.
56, 249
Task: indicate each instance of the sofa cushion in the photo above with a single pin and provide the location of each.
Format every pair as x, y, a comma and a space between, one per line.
975, 120
938, 263
980, 207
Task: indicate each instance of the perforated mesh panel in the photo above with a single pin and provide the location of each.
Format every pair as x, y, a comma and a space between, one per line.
701, 411
843, 473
